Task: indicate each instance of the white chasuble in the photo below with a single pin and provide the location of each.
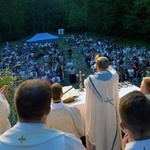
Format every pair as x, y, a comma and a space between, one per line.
102, 120
66, 118
36, 136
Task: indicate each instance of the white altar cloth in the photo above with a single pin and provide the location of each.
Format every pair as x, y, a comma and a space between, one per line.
81, 99
124, 91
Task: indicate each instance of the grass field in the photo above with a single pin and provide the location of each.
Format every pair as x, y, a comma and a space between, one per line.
79, 62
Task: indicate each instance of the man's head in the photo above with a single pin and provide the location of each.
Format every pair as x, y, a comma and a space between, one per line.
57, 91
134, 111
96, 56
102, 63
33, 100
145, 85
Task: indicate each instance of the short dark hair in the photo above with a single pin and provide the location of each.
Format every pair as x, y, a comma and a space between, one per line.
32, 98
57, 90
134, 111
102, 63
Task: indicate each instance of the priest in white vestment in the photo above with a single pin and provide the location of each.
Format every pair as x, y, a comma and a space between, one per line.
32, 102
64, 117
4, 110
102, 98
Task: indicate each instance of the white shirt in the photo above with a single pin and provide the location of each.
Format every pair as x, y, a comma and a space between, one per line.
56, 79
148, 96
70, 64
72, 71
130, 72
138, 145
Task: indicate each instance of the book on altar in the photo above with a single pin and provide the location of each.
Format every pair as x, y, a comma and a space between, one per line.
69, 94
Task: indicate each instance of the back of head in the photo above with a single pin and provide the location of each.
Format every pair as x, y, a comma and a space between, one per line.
145, 85
102, 63
57, 91
134, 111
32, 98
96, 56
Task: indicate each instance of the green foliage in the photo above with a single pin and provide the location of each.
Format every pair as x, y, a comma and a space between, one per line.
12, 19
136, 21
7, 79
125, 18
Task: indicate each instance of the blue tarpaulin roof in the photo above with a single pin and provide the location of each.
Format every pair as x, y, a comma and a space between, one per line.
42, 37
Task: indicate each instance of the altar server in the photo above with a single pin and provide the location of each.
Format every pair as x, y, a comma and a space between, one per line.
102, 97
32, 101
4, 110
64, 117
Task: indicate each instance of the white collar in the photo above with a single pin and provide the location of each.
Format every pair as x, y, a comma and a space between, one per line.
57, 105
102, 72
148, 96
24, 125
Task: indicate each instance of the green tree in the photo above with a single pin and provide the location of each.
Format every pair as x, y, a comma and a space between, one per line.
12, 19
136, 22
76, 15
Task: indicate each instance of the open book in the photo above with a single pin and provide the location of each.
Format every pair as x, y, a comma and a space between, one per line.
69, 94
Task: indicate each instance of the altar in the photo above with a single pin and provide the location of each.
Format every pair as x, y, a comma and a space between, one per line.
122, 91
80, 101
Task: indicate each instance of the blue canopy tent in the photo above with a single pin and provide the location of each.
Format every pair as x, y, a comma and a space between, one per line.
42, 37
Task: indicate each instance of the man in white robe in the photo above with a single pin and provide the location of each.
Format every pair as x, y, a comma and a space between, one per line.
64, 117
102, 97
4, 110
32, 102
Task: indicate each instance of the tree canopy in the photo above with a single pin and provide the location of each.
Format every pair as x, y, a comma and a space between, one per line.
124, 18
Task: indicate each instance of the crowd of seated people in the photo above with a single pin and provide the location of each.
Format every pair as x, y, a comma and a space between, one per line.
23, 59
45, 61
128, 61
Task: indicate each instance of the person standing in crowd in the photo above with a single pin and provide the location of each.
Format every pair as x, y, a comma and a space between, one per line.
134, 111
131, 73
69, 64
64, 117
145, 86
32, 102
102, 100
4, 110
69, 52
72, 75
